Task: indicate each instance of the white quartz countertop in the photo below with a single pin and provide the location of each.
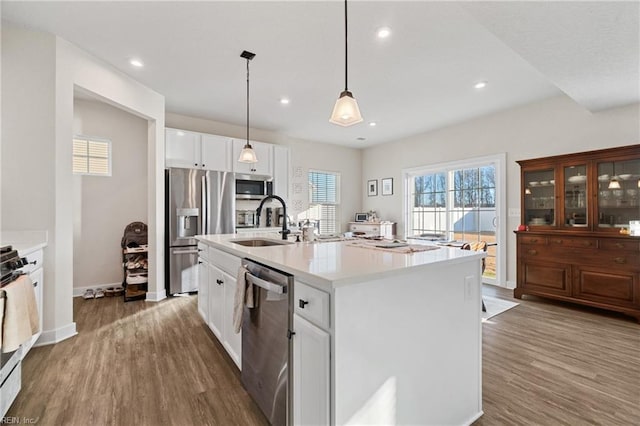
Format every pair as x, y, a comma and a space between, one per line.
331, 264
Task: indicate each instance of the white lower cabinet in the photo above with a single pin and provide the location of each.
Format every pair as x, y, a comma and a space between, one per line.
216, 301
231, 340
216, 295
203, 290
311, 373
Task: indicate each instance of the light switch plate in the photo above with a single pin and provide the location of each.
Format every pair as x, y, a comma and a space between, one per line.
514, 212
469, 282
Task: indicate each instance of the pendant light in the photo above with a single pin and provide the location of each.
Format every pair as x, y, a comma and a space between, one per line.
247, 155
345, 111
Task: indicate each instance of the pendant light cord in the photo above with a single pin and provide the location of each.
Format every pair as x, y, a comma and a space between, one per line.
247, 101
346, 57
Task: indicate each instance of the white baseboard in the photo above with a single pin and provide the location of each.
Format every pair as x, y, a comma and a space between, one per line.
79, 291
511, 285
49, 337
156, 296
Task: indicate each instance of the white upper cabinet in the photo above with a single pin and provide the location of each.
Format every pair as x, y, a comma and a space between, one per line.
216, 153
264, 152
197, 150
281, 171
182, 148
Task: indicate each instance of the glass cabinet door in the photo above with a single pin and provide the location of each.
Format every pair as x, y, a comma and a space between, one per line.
618, 193
575, 196
539, 198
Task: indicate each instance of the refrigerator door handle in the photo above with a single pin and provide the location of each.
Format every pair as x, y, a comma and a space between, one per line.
204, 190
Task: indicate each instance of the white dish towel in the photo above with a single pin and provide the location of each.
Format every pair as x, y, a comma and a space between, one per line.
244, 296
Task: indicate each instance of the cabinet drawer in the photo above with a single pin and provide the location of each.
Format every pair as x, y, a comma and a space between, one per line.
225, 261
626, 245
573, 242
532, 239
312, 304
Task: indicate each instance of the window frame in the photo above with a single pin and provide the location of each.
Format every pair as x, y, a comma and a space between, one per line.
89, 139
335, 204
499, 162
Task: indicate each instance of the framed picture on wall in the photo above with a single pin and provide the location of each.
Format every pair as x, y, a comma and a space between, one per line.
372, 188
387, 186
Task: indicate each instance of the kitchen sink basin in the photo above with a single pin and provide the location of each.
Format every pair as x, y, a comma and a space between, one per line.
260, 242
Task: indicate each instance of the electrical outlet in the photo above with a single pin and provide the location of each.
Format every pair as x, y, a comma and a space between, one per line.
469, 286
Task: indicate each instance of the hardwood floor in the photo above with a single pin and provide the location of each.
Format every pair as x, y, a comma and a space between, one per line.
544, 363
135, 363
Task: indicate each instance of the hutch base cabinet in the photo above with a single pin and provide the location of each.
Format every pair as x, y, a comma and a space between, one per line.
577, 208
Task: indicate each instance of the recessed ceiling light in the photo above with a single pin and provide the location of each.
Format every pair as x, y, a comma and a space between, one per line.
284, 101
480, 85
373, 123
136, 63
383, 32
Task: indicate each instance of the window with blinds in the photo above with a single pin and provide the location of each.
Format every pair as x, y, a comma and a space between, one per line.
324, 198
91, 156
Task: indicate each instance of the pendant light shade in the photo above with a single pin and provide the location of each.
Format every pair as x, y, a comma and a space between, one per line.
247, 155
346, 111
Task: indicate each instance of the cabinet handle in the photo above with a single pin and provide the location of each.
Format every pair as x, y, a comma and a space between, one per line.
199, 262
195, 164
203, 164
301, 303
620, 260
586, 243
35, 283
557, 241
619, 245
533, 252
220, 282
533, 240
290, 334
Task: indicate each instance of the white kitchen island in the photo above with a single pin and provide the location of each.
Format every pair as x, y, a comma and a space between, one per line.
382, 337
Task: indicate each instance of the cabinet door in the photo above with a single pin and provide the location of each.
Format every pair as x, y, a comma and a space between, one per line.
182, 148
281, 171
543, 277
216, 153
539, 201
216, 301
311, 372
576, 197
231, 341
618, 194
263, 153
607, 285
203, 290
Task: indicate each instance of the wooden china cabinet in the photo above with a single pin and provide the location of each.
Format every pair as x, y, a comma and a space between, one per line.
575, 207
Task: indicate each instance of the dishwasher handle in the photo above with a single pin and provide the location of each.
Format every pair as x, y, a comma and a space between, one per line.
265, 284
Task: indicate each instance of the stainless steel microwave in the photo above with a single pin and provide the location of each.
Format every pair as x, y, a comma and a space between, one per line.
253, 187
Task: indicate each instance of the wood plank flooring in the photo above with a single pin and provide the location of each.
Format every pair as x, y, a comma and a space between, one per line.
544, 363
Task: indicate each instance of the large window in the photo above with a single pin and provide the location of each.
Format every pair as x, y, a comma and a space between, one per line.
324, 198
457, 202
91, 156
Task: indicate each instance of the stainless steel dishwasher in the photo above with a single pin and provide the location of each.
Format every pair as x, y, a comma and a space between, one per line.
266, 343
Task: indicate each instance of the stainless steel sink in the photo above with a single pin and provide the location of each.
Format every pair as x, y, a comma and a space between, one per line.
260, 242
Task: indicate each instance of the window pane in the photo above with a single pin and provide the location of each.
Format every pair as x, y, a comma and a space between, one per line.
91, 157
80, 165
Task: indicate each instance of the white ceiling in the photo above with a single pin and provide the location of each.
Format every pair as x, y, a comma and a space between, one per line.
419, 79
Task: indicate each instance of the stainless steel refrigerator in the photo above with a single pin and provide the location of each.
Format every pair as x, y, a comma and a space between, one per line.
197, 202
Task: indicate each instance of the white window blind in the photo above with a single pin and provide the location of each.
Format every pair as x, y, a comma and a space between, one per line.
91, 156
324, 198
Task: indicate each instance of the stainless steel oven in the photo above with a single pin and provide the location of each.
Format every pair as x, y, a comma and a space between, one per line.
253, 187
